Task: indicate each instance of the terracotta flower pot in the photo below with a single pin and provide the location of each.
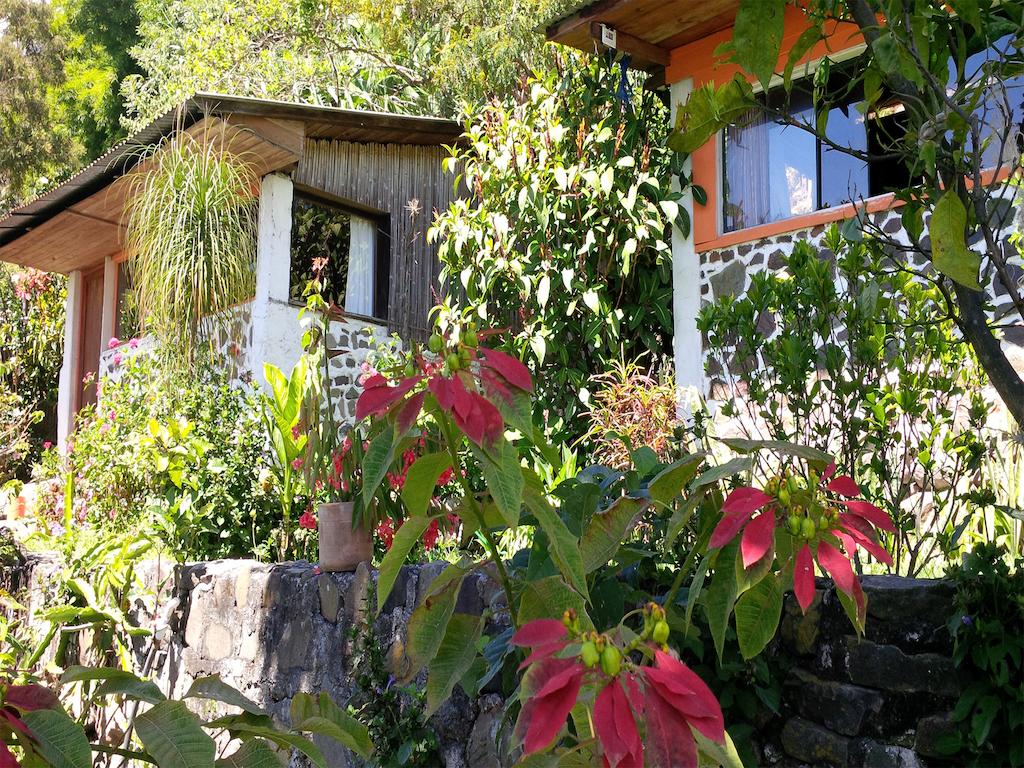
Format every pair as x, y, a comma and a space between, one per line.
341, 548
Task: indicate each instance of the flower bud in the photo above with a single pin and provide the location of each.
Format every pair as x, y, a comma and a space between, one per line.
435, 343
454, 361
611, 660
807, 528
469, 338
660, 633
568, 617
589, 654
793, 523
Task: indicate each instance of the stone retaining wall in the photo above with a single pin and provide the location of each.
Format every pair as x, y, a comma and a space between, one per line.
274, 630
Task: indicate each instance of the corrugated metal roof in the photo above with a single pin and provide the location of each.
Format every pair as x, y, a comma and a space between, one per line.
326, 122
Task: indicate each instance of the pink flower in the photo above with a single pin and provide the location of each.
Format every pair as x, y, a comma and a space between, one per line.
307, 521
446, 477
133, 343
47, 445
117, 359
296, 432
112, 415
297, 463
114, 342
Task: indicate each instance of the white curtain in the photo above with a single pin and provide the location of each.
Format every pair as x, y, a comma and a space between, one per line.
359, 290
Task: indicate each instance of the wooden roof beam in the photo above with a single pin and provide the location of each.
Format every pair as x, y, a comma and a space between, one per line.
626, 43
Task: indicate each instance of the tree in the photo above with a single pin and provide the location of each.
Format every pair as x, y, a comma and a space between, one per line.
564, 238
32, 148
957, 134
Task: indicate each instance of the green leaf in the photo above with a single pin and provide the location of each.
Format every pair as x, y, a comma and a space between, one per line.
213, 688
504, 477
606, 530
378, 458
247, 724
405, 539
255, 753
174, 737
724, 755
813, 455
720, 596
549, 597
115, 682
680, 518
421, 481
670, 482
322, 717
950, 253
707, 111
565, 549
757, 36
429, 619
732, 467
758, 611
453, 658
61, 740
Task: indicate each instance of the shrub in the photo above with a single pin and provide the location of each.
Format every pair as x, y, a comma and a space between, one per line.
989, 650
31, 350
859, 360
566, 237
185, 456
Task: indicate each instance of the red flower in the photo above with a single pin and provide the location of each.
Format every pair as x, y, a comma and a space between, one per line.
307, 520
819, 524
446, 477
615, 726
430, 535
386, 531
466, 392
550, 688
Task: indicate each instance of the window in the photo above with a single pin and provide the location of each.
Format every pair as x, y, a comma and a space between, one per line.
773, 171
355, 248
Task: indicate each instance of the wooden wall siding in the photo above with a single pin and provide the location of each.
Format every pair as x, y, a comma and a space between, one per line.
405, 181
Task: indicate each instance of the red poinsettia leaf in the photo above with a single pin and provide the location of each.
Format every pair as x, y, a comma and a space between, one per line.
378, 399
14, 720
862, 533
669, 740
758, 538
447, 390
746, 499
633, 693
7, 759
511, 369
803, 578
550, 707
31, 697
494, 385
409, 411
616, 729
377, 380
844, 486
838, 566
691, 695
827, 474
539, 632
542, 652
479, 419
871, 513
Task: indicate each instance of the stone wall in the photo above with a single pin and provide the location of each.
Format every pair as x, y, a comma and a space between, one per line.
727, 271
880, 701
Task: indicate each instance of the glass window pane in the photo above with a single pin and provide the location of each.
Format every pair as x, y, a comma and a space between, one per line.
1002, 111
843, 176
320, 237
770, 171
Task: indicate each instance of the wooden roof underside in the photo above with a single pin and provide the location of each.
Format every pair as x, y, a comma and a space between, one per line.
78, 224
648, 30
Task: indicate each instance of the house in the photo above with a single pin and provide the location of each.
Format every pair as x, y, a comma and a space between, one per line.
373, 180
767, 186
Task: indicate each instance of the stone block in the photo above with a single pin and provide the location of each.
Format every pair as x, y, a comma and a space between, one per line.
867, 753
909, 613
482, 748
888, 668
293, 648
930, 731
800, 631
330, 597
814, 744
730, 281
242, 588
840, 707
218, 642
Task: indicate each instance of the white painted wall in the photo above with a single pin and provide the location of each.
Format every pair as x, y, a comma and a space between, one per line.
69, 368
687, 346
108, 321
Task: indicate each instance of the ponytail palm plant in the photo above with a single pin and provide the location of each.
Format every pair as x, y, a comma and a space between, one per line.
190, 230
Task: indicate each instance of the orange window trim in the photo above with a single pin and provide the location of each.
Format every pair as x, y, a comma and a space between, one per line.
698, 61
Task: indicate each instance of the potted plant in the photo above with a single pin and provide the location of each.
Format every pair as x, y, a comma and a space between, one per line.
334, 452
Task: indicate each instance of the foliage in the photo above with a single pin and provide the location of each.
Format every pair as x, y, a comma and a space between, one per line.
989, 651
631, 407
169, 733
393, 713
198, 475
283, 413
190, 230
564, 237
859, 361
958, 129
31, 351
32, 147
